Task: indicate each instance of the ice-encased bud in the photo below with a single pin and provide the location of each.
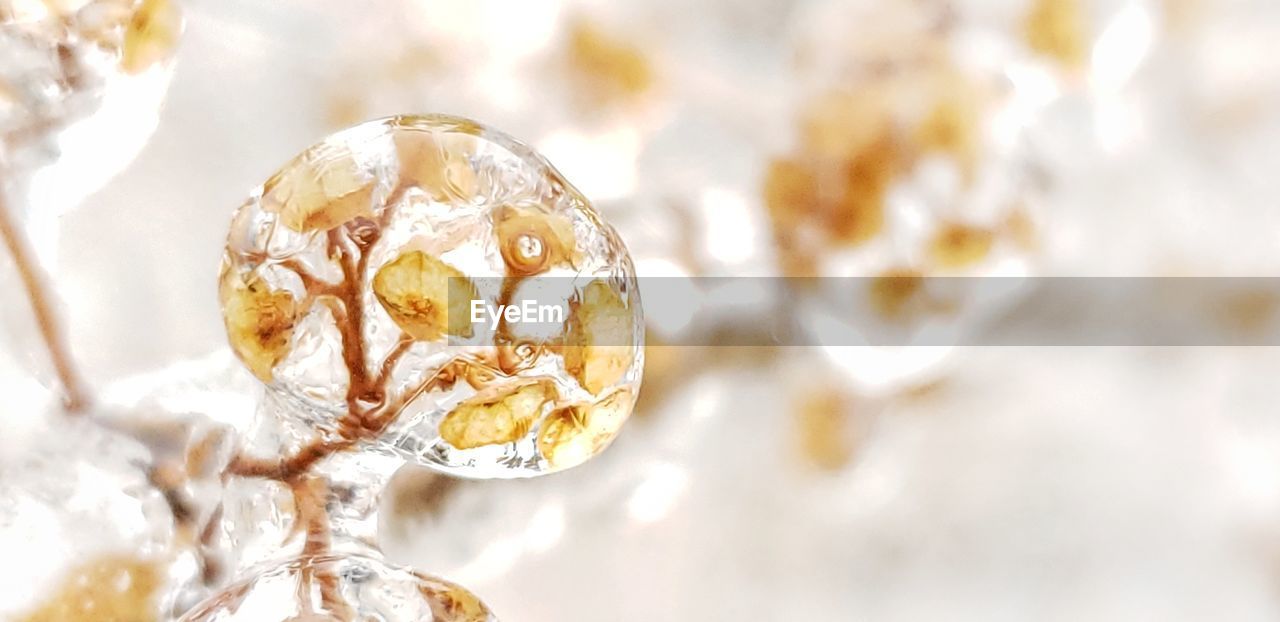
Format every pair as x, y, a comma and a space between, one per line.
88, 533
352, 279
75, 76
340, 588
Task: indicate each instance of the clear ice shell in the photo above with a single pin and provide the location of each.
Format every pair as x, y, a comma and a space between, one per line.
343, 588
81, 83
75, 76
432, 196
75, 503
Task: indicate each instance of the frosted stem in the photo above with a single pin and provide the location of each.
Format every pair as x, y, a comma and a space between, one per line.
39, 294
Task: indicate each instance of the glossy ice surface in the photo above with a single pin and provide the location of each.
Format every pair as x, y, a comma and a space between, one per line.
94, 536
347, 287
340, 589
80, 85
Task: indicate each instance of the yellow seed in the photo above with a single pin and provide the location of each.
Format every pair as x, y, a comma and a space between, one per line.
790, 192
151, 36
892, 291
822, 422
436, 164
610, 69
841, 124
320, 190
599, 339
108, 588
495, 417
572, 435
858, 214
1019, 227
956, 245
951, 129
1248, 312
425, 296
1055, 28
791, 198
532, 241
259, 321
452, 603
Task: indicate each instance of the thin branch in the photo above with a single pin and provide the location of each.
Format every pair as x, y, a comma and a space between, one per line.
367, 426
369, 412
210, 570
75, 396
291, 467
352, 328
389, 363
446, 376
309, 495
314, 285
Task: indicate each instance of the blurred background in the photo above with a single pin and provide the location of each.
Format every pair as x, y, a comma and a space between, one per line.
890, 139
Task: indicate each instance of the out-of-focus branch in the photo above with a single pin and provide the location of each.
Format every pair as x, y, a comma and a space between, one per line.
40, 295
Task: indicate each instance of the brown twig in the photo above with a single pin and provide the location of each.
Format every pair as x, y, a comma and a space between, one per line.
34, 281
345, 249
368, 412
169, 480
309, 495
389, 363
360, 426
291, 467
382, 417
313, 285
211, 570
